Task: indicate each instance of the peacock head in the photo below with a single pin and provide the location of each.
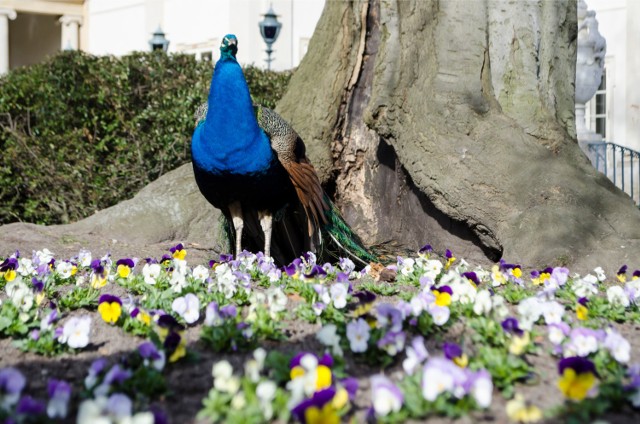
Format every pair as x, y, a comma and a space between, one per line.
229, 45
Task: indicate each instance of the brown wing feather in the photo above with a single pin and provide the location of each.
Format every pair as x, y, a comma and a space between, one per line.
309, 191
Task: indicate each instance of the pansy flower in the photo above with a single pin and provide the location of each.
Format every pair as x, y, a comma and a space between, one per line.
358, 333
511, 326
188, 307
171, 335
11, 384
392, 342
622, 274
472, 277
75, 332
99, 274
454, 352
124, 267
386, 397
578, 377
8, 269
539, 277
66, 269
28, 406
59, 395
110, 308
178, 251
317, 372
316, 272
425, 251
362, 303
450, 259
140, 315
582, 312
151, 355
318, 409
635, 275
443, 295
521, 411
416, 354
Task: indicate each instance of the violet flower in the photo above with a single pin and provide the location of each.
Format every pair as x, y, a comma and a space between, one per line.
59, 396
389, 316
27, 405
11, 384
511, 325
392, 342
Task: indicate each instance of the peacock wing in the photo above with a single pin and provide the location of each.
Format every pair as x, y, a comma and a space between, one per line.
201, 113
290, 151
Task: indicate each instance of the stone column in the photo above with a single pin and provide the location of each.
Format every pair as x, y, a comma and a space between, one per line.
70, 32
5, 15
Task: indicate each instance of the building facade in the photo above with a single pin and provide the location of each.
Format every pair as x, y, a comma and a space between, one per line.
30, 30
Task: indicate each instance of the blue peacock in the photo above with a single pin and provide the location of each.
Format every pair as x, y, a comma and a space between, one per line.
249, 163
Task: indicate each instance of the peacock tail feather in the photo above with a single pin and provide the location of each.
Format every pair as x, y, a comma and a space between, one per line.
341, 239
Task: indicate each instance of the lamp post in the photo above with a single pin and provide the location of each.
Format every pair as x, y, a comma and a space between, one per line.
269, 29
158, 42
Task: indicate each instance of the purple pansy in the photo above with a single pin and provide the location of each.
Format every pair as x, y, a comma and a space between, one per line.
319, 399
511, 325
27, 405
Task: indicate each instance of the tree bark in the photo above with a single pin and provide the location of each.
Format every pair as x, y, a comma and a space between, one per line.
452, 122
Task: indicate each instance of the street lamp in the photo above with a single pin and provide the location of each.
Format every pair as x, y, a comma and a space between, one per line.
158, 42
269, 29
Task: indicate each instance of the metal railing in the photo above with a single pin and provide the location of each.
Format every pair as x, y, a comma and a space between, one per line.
620, 164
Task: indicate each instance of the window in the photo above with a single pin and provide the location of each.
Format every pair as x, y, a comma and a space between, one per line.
599, 109
600, 113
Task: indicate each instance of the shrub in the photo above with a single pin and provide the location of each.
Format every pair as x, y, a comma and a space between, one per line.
79, 133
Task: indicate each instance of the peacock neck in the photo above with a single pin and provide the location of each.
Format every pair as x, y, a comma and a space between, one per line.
231, 138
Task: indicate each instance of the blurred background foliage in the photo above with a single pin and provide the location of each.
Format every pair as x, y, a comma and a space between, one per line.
79, 133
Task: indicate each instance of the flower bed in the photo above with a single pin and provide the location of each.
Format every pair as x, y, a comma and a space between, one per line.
314, 343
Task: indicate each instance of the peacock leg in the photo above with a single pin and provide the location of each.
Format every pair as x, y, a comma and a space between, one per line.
266, 224
236, 217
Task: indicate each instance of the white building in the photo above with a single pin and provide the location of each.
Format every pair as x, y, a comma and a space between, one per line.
33, 29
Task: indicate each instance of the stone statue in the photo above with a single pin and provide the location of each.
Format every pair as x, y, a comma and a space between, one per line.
592, 48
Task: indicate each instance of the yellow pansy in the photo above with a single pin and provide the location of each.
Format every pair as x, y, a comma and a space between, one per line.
576, 386
110, 311
519, 343
582, 313
442, 298
325, 415
519, 410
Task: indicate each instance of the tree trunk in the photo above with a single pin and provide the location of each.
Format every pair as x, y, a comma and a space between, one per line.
452, 122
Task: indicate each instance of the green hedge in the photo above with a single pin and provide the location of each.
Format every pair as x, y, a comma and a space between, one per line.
79, 133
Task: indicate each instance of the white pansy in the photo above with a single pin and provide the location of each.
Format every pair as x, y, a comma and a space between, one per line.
64, 269
339, 293
482, 305
26, 267
586, 286
432, 268
406, 267
552, 312
200, 273
617, 296
151, 272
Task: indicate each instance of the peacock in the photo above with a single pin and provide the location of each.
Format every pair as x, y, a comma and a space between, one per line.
251, 164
